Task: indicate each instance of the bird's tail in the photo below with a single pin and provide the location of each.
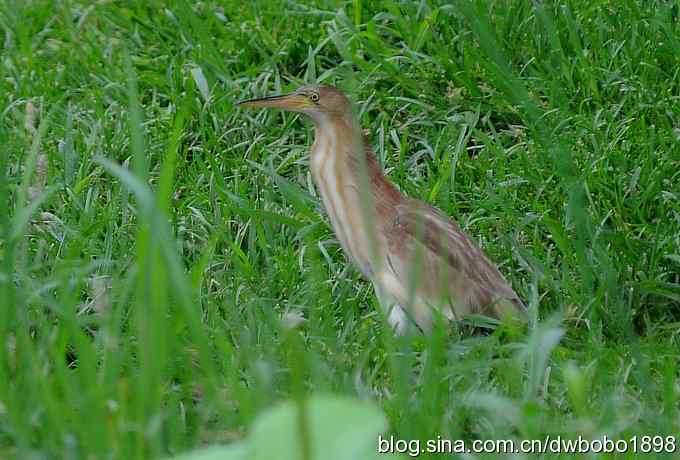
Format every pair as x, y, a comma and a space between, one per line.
510, 307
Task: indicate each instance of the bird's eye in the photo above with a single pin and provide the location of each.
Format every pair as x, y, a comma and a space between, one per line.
314, 97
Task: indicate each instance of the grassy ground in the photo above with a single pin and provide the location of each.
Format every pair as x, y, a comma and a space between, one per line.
141, 321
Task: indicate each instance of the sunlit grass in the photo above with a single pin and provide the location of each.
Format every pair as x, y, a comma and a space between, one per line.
159, 246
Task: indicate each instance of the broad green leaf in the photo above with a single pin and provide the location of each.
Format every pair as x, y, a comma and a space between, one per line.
236, 451
340, 428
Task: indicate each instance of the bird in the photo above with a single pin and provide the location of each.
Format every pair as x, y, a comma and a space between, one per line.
420, 262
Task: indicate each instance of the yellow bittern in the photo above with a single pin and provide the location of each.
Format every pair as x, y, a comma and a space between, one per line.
420, 261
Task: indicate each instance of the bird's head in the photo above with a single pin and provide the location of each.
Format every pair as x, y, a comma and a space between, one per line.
319, 102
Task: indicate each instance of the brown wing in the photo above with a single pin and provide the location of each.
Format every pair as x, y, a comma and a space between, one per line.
450, 262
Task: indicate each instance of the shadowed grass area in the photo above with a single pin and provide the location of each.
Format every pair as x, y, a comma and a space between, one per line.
157, 245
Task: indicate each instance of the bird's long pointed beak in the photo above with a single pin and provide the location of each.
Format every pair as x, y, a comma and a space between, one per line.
284, 101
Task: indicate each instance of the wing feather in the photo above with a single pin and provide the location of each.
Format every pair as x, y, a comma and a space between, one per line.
474, 281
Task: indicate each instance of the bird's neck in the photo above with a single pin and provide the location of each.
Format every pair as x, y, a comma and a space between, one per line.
342, 153
354, 190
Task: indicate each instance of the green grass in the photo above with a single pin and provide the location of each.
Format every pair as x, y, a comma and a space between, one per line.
154, 239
